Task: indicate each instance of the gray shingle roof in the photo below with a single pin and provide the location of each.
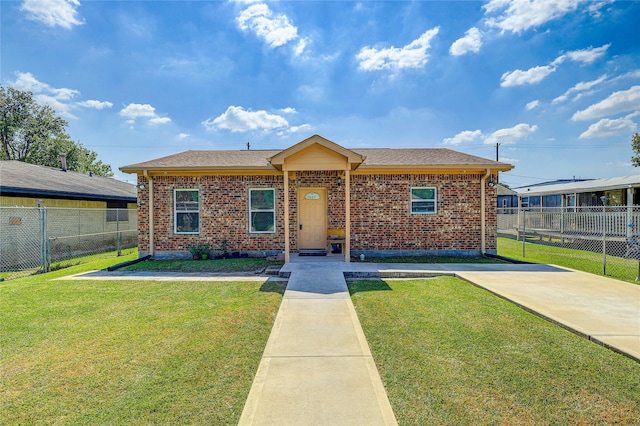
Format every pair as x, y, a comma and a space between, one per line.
19, 178
258, 159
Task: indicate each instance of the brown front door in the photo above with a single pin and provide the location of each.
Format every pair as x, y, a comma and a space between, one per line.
312, 218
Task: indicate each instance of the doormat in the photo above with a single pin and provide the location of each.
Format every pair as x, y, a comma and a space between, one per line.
316, 252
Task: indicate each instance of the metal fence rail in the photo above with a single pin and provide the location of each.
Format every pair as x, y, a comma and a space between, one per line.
33, 238
609, 235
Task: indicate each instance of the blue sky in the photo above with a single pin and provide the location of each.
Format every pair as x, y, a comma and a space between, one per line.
555, 83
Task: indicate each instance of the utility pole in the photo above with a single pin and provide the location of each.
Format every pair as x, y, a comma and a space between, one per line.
497, 159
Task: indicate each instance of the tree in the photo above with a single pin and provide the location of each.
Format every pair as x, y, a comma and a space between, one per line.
635, 145
33, 133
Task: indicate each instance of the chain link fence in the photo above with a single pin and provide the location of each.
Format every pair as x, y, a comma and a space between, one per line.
32, 239
603, 240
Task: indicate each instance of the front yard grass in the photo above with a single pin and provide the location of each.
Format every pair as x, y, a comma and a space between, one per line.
187, 265
451, 353
581, 260
130, 352
426, 259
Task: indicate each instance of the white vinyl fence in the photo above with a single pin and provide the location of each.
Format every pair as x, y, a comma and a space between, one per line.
32, 238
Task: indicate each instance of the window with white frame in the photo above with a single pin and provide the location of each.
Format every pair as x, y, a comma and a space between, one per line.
186, 210
262, 210
423, 200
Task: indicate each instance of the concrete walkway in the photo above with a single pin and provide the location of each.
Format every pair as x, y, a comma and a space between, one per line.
317, 368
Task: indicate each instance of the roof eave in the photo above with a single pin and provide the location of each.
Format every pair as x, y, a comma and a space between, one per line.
156, 169
502, 167
8, 191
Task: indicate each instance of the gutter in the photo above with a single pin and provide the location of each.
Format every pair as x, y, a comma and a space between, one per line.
151, 226
483, 214
13, 191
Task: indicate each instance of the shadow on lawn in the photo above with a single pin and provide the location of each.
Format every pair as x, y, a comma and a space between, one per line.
367, 285
273, 287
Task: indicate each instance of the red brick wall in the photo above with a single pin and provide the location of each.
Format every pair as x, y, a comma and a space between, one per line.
380, 212
381, 217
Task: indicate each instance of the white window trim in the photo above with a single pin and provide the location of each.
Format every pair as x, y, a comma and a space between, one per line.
435, 199
273, 231
176, 211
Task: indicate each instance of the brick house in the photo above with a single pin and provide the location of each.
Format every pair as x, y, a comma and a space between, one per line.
316, 193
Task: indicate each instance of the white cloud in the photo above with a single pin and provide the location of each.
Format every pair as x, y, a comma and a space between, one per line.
607, 127
589, 55
616, 103
465, 136
28, 82
510, 135
520, 15
471, 42
274, 30
138, 110
60, 99
95, 104
532, 105
53, 13
530, 76
237, 119
288, 110
413, 55
135, 111
583, 86
183, 136
295, 129
160, 120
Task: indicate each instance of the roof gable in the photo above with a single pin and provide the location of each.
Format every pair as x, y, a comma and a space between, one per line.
316, 153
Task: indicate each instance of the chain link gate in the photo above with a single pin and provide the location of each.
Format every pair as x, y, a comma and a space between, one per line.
608, 236
31, 239
22, 245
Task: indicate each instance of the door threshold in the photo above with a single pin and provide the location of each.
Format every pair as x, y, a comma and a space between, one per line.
312, 252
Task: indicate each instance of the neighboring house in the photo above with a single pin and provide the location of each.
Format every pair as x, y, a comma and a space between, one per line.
71, 205
377, 201
507, 199
620, 191
29, 185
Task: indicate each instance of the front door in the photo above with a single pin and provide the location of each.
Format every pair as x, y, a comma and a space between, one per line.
312, 218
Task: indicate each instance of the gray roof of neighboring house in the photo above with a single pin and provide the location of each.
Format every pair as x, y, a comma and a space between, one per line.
503, 190
582, 186
259, 159
23, 179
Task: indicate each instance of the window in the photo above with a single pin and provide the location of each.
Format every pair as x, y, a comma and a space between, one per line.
186, 211
117, 211
423, 200
262, 210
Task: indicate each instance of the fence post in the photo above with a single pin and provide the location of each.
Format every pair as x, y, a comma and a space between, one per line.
118, 234
604, 200
524, 230
45, 239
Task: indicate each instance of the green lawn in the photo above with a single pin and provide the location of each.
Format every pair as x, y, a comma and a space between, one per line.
130, 352
426, 259
450, 353
209, 265
582, 260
